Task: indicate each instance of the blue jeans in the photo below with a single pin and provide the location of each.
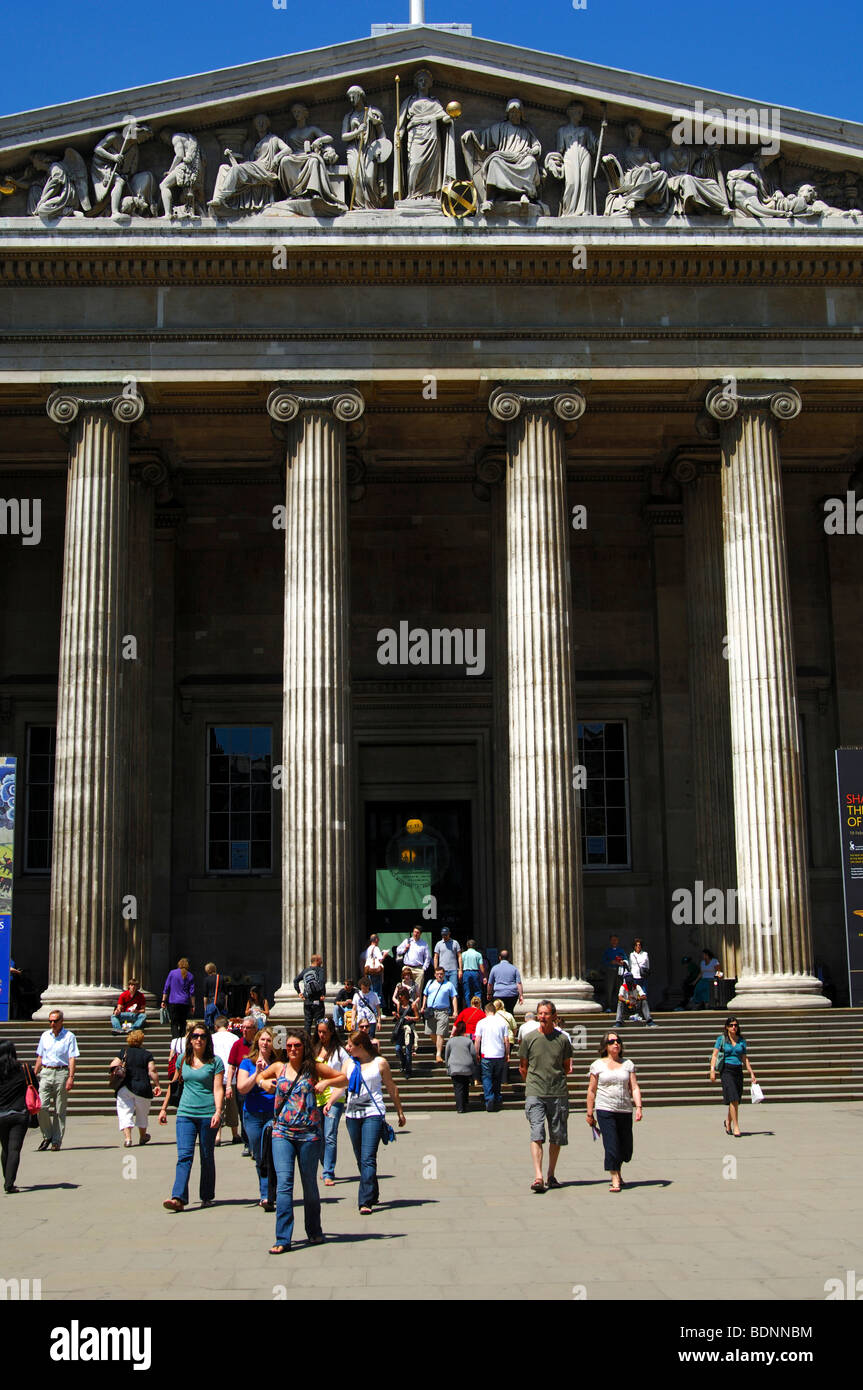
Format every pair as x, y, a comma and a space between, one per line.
136, 1020
339, 1015
452, 976
493, 1077
189, 1128
365, 1135
306, 1152
471, 983
331, 1130
253, 1122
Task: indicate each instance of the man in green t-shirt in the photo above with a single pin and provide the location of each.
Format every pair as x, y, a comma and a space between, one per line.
545, 1061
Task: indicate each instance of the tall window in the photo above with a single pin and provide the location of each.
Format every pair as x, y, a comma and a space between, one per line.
605, 799
240, 799
39, 798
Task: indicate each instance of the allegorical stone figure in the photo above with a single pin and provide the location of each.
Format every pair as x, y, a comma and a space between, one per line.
307, 169
503, 159
430, 140
251, 181
184, 180
572, 161
694, 179
637, 177
65, 190
368, 150
114, 171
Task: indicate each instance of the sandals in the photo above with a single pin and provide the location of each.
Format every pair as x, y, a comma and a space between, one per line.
365, 1211
173, 1204
612, 1188
278, 1250
329, 1182
537, 1186
726, 1126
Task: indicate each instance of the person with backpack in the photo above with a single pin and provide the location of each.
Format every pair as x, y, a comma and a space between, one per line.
313, 992
215, 998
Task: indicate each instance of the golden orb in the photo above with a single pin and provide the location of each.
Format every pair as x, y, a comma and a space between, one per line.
454, 109
414, 827
408, 856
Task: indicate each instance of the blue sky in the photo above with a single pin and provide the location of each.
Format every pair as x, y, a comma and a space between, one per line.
796, 53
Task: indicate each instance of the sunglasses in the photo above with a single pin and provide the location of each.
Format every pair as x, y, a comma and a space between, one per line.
614, 1042
198, 1037
290, 1046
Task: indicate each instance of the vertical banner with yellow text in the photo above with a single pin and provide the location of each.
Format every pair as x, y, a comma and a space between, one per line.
849, 779
7, 832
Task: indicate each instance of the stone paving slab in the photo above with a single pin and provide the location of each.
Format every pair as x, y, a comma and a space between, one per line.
782, 1206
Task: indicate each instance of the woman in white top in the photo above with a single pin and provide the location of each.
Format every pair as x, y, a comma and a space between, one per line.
366, 1114
331, 1101
612, 1094
710, 971
639, 963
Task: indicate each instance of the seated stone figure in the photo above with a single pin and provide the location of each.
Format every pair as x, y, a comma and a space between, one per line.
636, 178
66, 190
694, 180
250, 183
503, 160
308, 170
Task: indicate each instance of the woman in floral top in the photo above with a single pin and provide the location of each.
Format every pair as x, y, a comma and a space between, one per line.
297, 1133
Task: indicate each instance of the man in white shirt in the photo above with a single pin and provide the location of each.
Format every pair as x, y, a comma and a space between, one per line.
492, 1047
56, 1054
366, 1005
529, 1026
223, 1041
414, 952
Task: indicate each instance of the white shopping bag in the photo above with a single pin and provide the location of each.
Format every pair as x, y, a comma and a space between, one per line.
756, 1093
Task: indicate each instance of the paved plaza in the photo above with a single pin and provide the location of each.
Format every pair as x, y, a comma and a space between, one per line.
459, 1217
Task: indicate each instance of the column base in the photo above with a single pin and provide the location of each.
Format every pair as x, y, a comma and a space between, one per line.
779, 992
568, 996
287, 1005
81, 1002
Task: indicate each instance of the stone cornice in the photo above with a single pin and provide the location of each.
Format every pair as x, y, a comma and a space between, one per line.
639, 259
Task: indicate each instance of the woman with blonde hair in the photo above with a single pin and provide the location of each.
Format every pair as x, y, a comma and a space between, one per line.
258, 1104
178, 995
505, 1014
296, 1085
140, 1085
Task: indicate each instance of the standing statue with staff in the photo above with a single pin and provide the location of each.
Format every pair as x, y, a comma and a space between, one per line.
368, 150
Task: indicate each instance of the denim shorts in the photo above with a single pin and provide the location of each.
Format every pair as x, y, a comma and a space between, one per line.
555, 1109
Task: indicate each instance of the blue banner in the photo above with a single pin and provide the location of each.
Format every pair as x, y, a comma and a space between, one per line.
7, 854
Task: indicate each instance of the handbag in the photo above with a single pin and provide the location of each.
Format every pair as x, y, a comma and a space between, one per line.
756, 1093
388, 1134
117, 1075
32, 1099
720, 1060
164, 1016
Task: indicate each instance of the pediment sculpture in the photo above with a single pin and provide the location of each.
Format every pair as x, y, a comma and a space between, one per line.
309, 171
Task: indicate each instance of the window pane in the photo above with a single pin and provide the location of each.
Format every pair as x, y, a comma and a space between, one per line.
239, 798
219, 856
219, 796
261, 855
219, 767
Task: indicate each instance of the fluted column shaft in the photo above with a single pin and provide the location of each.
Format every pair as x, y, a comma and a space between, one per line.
772, 879
317, 886
545, 842
715, 859
90, 782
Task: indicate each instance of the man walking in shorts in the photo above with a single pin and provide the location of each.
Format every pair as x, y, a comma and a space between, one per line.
545, 1061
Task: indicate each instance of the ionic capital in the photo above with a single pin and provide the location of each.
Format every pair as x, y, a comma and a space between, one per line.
66, 403
285, 403
506, 403
725, 400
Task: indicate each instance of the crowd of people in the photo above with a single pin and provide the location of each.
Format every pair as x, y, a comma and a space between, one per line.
283, 1094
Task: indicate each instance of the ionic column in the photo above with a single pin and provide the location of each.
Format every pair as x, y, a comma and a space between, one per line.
715, 860
91, 781
545, 842
317, 886
772, 880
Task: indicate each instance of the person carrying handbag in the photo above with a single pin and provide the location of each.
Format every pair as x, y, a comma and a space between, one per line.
727, 1060
366, 1115
16, 1079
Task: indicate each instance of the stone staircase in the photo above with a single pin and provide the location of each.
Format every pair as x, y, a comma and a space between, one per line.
798, 1055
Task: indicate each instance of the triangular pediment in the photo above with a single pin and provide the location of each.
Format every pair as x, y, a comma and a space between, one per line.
218, 108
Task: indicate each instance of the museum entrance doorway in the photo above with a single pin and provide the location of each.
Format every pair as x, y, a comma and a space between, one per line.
418, 870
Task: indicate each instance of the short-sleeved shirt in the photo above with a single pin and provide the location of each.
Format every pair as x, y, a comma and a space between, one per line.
504, 980
198, 1100
447, 953
471, 959
256, 1101
612, 1092
545, 1057
439, 994
132, 1001
137, 1060
366, 1006
733, 1052
239, 1050
56, 1052
223, 1042
491, 1036
298, 1116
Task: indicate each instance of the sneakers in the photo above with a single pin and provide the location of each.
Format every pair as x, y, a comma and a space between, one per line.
652, 1024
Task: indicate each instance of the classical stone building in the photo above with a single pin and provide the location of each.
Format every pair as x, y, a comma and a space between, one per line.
445, 537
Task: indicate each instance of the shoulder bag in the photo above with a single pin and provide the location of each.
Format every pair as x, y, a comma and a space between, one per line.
720, 1060
32, 1099
388, 1134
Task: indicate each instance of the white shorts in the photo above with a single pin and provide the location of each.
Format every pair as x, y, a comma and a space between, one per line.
132, 1110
